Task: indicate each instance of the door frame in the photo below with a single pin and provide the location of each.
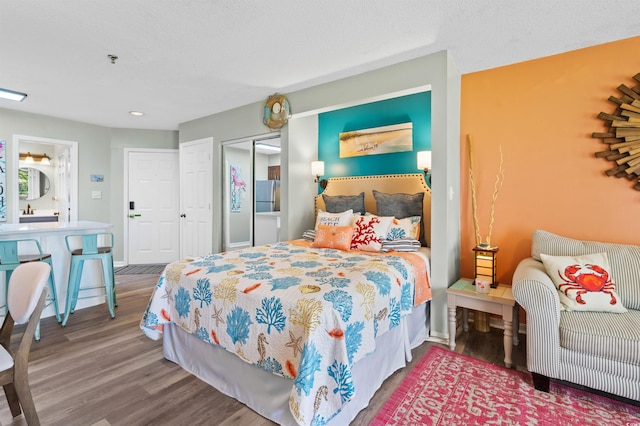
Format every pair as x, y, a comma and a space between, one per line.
253, 140
12, 170
125, 191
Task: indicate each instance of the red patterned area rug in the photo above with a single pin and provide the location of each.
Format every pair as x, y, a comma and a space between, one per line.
445, 388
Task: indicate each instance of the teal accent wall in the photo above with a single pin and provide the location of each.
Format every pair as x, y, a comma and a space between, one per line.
414, 108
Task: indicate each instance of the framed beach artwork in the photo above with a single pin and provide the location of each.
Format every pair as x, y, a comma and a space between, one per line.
238, 186
377, 140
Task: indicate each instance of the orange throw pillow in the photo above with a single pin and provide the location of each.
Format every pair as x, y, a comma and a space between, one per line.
334, 237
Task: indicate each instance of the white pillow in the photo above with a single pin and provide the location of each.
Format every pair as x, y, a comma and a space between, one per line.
369, 232
334, 219
584, 282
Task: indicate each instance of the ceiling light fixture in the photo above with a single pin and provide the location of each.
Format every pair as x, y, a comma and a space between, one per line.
12, 96
30, 158
136, 113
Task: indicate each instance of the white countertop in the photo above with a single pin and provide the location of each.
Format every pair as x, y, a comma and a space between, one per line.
9, 229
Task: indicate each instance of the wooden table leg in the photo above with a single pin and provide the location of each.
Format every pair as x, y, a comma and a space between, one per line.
516, 321
508, 340
465, 319
452, 328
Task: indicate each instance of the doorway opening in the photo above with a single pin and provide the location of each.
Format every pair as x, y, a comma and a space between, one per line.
251, 195
44, 192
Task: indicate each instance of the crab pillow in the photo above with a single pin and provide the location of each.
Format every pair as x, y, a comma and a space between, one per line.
369, 231
584, 283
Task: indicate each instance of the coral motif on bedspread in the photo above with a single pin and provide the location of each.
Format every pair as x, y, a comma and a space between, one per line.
302, 313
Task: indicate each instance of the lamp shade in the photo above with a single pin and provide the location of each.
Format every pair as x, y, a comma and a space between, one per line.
317, 168
424, 160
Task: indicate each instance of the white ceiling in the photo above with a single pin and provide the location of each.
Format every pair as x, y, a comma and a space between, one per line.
179, 60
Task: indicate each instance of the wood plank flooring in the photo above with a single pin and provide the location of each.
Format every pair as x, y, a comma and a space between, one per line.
101, 371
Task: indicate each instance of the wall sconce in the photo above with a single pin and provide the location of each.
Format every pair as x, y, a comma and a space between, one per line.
30, 158
317, 169
485, 264
424, 164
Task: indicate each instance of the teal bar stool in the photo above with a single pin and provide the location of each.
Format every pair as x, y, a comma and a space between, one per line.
91, 246
10, 259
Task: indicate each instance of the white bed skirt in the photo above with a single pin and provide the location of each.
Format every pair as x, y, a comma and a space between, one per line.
268, 394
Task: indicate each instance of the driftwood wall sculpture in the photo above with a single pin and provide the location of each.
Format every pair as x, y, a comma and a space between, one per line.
623, 135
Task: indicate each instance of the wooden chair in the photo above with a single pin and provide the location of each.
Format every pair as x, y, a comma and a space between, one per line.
10, 258
26, 299
93, 246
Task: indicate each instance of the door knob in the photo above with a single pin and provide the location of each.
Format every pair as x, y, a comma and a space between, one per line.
183, 215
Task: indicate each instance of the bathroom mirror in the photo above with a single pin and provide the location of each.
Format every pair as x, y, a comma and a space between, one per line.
32, 183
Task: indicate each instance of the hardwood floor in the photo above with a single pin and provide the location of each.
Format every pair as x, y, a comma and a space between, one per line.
102, 371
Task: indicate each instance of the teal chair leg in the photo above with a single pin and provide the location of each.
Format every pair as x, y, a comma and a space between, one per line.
74, 276
113, 278
53, 298
109, 285
6, 291
76, 285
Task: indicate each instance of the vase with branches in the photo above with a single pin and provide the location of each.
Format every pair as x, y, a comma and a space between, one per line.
494, 197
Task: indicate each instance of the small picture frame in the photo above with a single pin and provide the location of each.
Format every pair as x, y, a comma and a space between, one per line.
97, 178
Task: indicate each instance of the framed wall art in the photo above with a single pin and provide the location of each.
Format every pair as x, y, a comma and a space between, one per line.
3, 181
377, 140
238, 186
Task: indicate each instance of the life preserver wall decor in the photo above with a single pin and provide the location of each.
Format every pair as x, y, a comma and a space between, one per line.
623, 135
276, 111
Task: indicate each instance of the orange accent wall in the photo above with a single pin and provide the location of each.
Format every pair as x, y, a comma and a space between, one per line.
543, 112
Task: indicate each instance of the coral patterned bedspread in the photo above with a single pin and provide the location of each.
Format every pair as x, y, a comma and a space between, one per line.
299, 312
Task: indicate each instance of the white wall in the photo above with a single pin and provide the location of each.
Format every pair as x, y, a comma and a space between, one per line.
100, 151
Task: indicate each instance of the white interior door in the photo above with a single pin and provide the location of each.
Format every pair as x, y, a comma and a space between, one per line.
196, 197
154, 218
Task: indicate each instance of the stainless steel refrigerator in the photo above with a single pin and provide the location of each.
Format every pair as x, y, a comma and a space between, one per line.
267, 196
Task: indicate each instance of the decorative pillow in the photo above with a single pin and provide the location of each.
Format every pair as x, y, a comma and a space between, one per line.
309, 235
369, 232
407, 228
401, 206
334, 237
400, 245
584, 282
340, 203
334, 219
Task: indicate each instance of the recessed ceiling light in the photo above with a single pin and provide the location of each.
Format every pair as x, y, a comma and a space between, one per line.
12, 96
136, 113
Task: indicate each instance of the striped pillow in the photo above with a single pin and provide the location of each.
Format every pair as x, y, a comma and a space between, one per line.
309, 235
406, 244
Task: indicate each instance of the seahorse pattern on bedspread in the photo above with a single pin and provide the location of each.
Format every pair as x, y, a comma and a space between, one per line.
299, 312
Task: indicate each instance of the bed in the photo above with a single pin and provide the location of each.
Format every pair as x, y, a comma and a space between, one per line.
300, 331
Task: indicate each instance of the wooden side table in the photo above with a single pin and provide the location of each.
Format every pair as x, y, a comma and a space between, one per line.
499, 301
